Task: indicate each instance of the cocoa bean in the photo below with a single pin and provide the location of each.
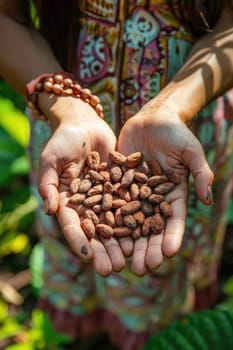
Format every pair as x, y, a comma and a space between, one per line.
85, 185
130, 208
91, 201
104, 230
117, 157
122, 231
133, 159
164, 188
127, 178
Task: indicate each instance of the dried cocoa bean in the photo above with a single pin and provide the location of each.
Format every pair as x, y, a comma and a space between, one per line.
77, 198
108, 187
103, 166
85, 185
134, 191
105, 174
146, 227
74, 185
130, 208
155, 198
110, 218
90, 214
119, 219
104, 230
122, 231
133, 159
93, 160
145, 192
140, 177
147, 208
156, 180
88, 227
115, 173
164, 188
95, 176
91, 201
97, 208
118, 202
124, 194
139, 217
97, 189
117, 157
130, 221
127, 178
107, 201
157, 223
165, 208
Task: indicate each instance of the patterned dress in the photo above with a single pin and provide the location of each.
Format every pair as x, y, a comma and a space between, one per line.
128, 51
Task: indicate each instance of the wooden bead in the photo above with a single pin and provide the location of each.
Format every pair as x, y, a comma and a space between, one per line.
57, 89
94, 100
58, 78
85, 93
60, 84
47, 86
67, 82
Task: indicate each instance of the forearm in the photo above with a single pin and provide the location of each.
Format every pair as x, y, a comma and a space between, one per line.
25, 54
208, 72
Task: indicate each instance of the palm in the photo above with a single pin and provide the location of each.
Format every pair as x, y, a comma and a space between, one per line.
169, 141
63, 160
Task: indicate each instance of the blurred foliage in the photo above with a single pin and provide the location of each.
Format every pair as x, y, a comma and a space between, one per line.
204, 330
34, 333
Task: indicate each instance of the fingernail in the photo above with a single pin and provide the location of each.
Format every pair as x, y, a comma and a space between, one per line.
209, 196
84, 250
46, 206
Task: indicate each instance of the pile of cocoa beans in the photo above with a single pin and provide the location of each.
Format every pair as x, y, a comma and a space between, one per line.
125, 196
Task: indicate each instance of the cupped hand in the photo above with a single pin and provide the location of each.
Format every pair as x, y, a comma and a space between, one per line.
160, 134
62, 160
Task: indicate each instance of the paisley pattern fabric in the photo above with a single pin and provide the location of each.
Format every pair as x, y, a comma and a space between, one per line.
128, 51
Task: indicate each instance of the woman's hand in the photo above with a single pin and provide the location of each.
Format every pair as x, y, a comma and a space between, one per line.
160, 134
75, 134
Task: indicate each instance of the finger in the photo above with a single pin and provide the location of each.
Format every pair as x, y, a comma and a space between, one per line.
175, 226
154, 254
114, 252
201, 172
70, 224
138, 258
101, 259
127, 245
48, 188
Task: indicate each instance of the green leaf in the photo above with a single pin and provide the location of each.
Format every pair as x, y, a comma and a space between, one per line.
13, 243
14, 122
20, 166
204, 330
40, 320
22, 346
228, 287
36, 265
3, 310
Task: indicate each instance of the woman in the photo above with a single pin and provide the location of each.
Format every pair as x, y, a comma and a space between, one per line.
153, 75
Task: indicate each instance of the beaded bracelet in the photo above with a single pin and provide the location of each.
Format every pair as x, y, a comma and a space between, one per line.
62, 84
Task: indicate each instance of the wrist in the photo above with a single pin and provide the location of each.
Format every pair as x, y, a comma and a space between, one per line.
57, 86
64, 109
185, 100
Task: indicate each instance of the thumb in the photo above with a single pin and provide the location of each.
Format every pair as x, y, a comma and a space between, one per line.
201, 172
48, 188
